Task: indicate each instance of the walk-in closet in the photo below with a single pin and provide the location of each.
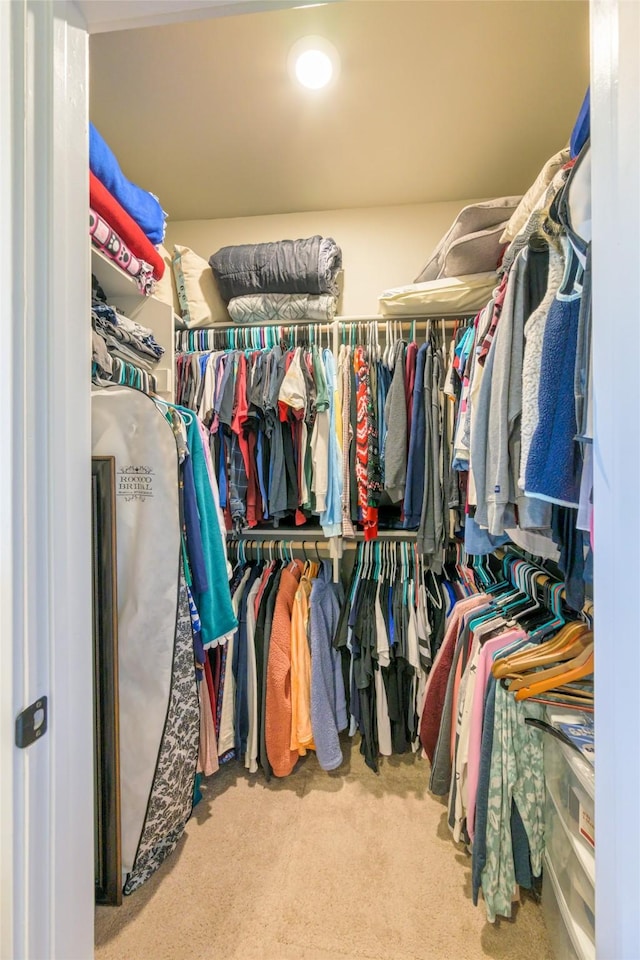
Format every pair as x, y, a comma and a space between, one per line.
341, 428
342, 438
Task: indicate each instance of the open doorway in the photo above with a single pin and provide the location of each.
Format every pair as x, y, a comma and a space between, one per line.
616, 933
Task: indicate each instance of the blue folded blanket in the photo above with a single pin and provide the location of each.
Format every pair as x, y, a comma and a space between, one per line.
139, 203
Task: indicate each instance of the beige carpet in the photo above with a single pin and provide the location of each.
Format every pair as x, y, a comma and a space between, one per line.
319, 866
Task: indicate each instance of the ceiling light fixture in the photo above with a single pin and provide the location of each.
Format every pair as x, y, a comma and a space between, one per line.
314, 62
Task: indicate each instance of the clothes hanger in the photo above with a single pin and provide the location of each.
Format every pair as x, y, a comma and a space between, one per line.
527, 604
581, 666
546, 652
555, 592
524, 671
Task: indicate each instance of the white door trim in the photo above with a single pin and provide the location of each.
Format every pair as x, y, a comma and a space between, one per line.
45, 481
9, 819
615, 149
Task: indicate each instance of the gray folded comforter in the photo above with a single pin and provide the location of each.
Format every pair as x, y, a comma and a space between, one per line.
286, 266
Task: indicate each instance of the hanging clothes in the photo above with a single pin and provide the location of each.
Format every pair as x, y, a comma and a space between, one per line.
484, 755
271, 415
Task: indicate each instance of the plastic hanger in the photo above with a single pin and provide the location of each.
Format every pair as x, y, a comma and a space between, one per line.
561, 647
581, 666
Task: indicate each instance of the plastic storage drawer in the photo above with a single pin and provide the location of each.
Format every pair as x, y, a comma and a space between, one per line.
569, 943
575, 884
570, 779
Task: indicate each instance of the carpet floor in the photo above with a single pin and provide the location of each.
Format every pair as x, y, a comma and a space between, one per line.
340, 866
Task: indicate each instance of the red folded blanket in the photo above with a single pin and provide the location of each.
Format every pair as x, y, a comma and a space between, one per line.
126, 228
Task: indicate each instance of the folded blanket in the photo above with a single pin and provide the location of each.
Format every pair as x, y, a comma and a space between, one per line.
282, 307
139, 204
286, 266
115, 248
106, 205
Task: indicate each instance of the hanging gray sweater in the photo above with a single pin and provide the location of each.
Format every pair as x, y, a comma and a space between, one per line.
525, 291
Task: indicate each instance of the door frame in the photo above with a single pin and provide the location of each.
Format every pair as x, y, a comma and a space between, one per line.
615, 153
46, 791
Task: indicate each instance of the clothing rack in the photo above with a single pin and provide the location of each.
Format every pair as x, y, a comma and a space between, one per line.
291, 539
367, 331
285, 545
545, 566
256, 337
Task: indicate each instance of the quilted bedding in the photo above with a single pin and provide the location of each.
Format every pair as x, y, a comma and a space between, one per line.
276, 308
286, 266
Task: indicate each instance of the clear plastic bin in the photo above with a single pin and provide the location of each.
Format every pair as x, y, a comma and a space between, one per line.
575, 884
568, 942
570, 779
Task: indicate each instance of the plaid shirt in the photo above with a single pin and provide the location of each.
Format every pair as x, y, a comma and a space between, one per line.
497, 311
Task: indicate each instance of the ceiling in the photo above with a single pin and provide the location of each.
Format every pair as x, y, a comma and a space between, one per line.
434, 101
104, 16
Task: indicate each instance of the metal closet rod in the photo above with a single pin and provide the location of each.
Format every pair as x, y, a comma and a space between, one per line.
279, 534
285, 325
316, 535
384, 535
405, 318
327, 325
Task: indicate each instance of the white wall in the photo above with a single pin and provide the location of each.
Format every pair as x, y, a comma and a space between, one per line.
381, 246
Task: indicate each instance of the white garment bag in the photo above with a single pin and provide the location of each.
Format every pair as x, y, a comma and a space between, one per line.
159, 725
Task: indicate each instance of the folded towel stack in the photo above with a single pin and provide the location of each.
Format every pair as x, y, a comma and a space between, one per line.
126, 222
272, 283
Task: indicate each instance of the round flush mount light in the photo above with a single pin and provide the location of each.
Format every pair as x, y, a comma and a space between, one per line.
314, 62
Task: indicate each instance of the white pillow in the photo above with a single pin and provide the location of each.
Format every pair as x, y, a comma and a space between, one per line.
449, 295
200, 301
533, 195
165, 289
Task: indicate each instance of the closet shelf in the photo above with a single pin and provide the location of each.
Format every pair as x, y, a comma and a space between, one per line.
122, 292
111, 278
